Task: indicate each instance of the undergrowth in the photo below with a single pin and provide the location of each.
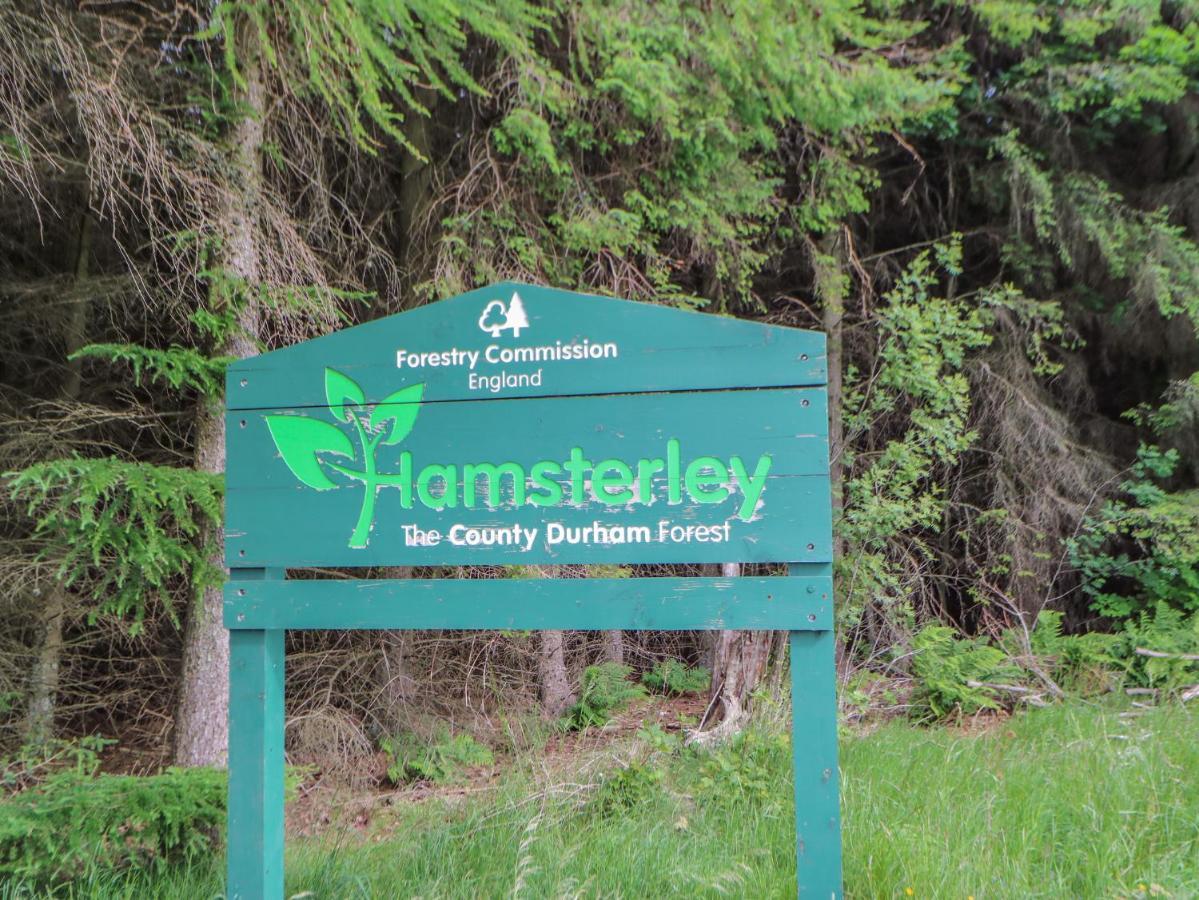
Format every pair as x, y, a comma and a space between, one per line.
673, 678
1076, 800
75, 822
603, 690
446, 759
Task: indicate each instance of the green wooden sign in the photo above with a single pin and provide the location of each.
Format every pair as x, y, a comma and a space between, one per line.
522, 425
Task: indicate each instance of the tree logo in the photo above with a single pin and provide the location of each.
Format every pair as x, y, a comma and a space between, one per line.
306, 444
496, 317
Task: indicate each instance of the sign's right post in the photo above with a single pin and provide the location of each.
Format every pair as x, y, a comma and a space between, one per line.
814, 759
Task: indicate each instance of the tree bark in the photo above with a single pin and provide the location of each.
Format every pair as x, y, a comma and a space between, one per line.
556, 695
739, 662
396, 685
552, 683
416, 183
201, 722
614, 646
43, 686
828, 264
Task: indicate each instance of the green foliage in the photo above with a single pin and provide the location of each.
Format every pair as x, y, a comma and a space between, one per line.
1075, 661
219, 317
1095, 230
1072, 801
1141, 549
917, 401
126, 530
74, 823
683, 111
1095, 66
358, 58
659, 740
34, 762
1171, 634
745, 769
179, 368
628, 787
953, 674
443, 761
604, 689
673, 677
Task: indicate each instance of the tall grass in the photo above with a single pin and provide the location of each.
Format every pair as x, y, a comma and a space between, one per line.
1071, 801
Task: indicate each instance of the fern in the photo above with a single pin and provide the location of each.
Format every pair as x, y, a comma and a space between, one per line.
179, 368
672, 677
441, 761
605, 688
953, 674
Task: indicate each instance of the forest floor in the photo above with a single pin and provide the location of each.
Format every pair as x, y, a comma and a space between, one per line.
1077, 800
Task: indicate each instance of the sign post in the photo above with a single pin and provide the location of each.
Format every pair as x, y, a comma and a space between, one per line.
522, 425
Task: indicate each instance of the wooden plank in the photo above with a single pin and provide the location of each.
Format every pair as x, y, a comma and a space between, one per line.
255, 844
573, 604
640, 347
814, 750
581, 480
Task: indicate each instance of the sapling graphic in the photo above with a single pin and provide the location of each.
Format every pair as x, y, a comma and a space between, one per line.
306, 443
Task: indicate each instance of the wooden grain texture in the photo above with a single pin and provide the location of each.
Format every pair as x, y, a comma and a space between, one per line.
254, 858
814, 750
658, 349
274, 519
597, 604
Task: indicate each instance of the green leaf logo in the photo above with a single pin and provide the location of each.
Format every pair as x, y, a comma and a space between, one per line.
340, 388
400, 409
305, 444
300, 439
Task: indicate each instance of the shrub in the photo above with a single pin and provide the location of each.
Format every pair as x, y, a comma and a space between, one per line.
74, 823
1166, 630
605, 688
627, 787
37, 760
672, 677
439, 762
953, 674
1142, 549
660, 740
751, 767
1076, 661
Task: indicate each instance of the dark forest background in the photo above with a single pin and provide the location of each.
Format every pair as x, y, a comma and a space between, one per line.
989, 207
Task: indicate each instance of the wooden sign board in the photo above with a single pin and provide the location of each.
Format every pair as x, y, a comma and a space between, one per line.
522, 425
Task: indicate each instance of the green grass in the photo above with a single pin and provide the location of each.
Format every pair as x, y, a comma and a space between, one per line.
1072, 801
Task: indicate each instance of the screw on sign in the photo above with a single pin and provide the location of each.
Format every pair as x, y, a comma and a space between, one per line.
522, 425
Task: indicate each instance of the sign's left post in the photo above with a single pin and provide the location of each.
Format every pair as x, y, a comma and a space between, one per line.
255, 834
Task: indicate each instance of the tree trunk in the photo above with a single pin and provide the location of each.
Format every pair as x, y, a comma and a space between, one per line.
43, 686
556, 695
828, 263
416, 183
552, 682
201, 722
396, 685
614, 646
739, 662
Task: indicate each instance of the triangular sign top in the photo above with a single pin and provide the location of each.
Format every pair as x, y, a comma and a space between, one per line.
513, 340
